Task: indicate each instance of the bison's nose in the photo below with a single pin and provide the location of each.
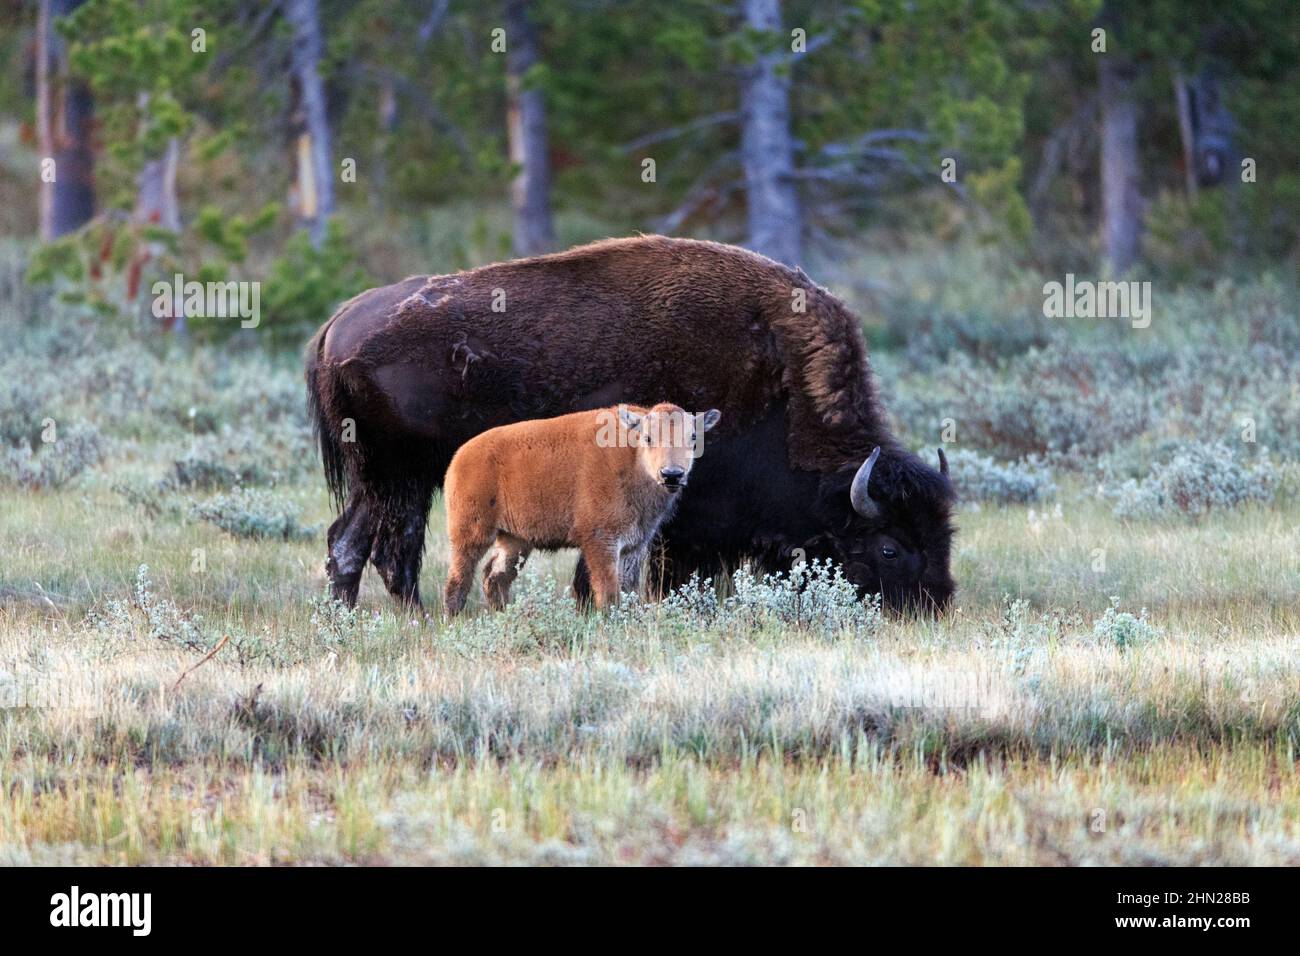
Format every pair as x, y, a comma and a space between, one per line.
672, 476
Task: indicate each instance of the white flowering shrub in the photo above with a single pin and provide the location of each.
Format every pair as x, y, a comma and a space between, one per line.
1198, 478
695, 600
144, 615
813, 598
1123, 629
147, 615
338, 625
540, 615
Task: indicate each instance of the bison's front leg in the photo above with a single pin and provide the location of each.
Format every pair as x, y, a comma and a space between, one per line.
673, 564
397, 556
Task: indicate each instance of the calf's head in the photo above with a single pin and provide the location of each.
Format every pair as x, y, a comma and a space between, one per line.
668, 439
894, 529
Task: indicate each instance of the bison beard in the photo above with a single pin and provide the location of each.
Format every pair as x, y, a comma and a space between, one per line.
402, 375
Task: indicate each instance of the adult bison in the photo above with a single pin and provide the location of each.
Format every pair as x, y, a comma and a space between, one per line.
402, 375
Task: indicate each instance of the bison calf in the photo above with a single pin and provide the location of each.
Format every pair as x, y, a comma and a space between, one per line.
602, 480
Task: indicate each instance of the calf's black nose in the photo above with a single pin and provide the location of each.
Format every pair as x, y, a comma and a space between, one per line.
671, 476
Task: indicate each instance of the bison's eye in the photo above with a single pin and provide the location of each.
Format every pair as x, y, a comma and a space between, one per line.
888, 553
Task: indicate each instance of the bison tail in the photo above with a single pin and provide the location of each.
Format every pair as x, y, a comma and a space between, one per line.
325, 396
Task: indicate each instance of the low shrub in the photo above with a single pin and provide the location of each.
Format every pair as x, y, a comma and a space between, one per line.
1198, 478
43, 465
145, 614
230, 457
813, 598
338, 625
1074, 404
978, 477
155, 498
1123, 629
254, 513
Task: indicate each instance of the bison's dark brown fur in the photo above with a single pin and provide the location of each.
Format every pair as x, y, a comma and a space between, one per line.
413, 370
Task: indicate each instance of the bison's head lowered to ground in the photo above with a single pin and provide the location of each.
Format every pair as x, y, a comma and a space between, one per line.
896, 536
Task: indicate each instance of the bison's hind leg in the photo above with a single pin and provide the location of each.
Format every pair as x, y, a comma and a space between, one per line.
502, 569
348, 541
399, 538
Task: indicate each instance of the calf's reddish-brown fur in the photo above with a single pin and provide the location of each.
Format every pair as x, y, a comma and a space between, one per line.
602, 480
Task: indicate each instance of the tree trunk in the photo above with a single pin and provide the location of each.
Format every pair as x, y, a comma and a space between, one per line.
767, 146
156, 205
530, 192
1186, 130
64, 115
386, 121
1214, 131
315, 174
155, 199
1121, 203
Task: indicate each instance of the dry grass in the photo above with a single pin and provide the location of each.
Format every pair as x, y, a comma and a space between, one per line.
1000, 735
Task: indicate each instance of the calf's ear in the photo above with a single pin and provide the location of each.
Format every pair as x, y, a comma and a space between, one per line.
710, 418
630, 419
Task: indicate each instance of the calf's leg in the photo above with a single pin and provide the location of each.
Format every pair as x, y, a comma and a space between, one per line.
464, 559
629, 569
502, 569
582, 584
602, 565
470, 538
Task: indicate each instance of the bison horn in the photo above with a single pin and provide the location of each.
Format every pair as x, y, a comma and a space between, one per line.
859, 496
943, 463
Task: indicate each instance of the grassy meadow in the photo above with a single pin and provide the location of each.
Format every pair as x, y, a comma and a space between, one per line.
214, 707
